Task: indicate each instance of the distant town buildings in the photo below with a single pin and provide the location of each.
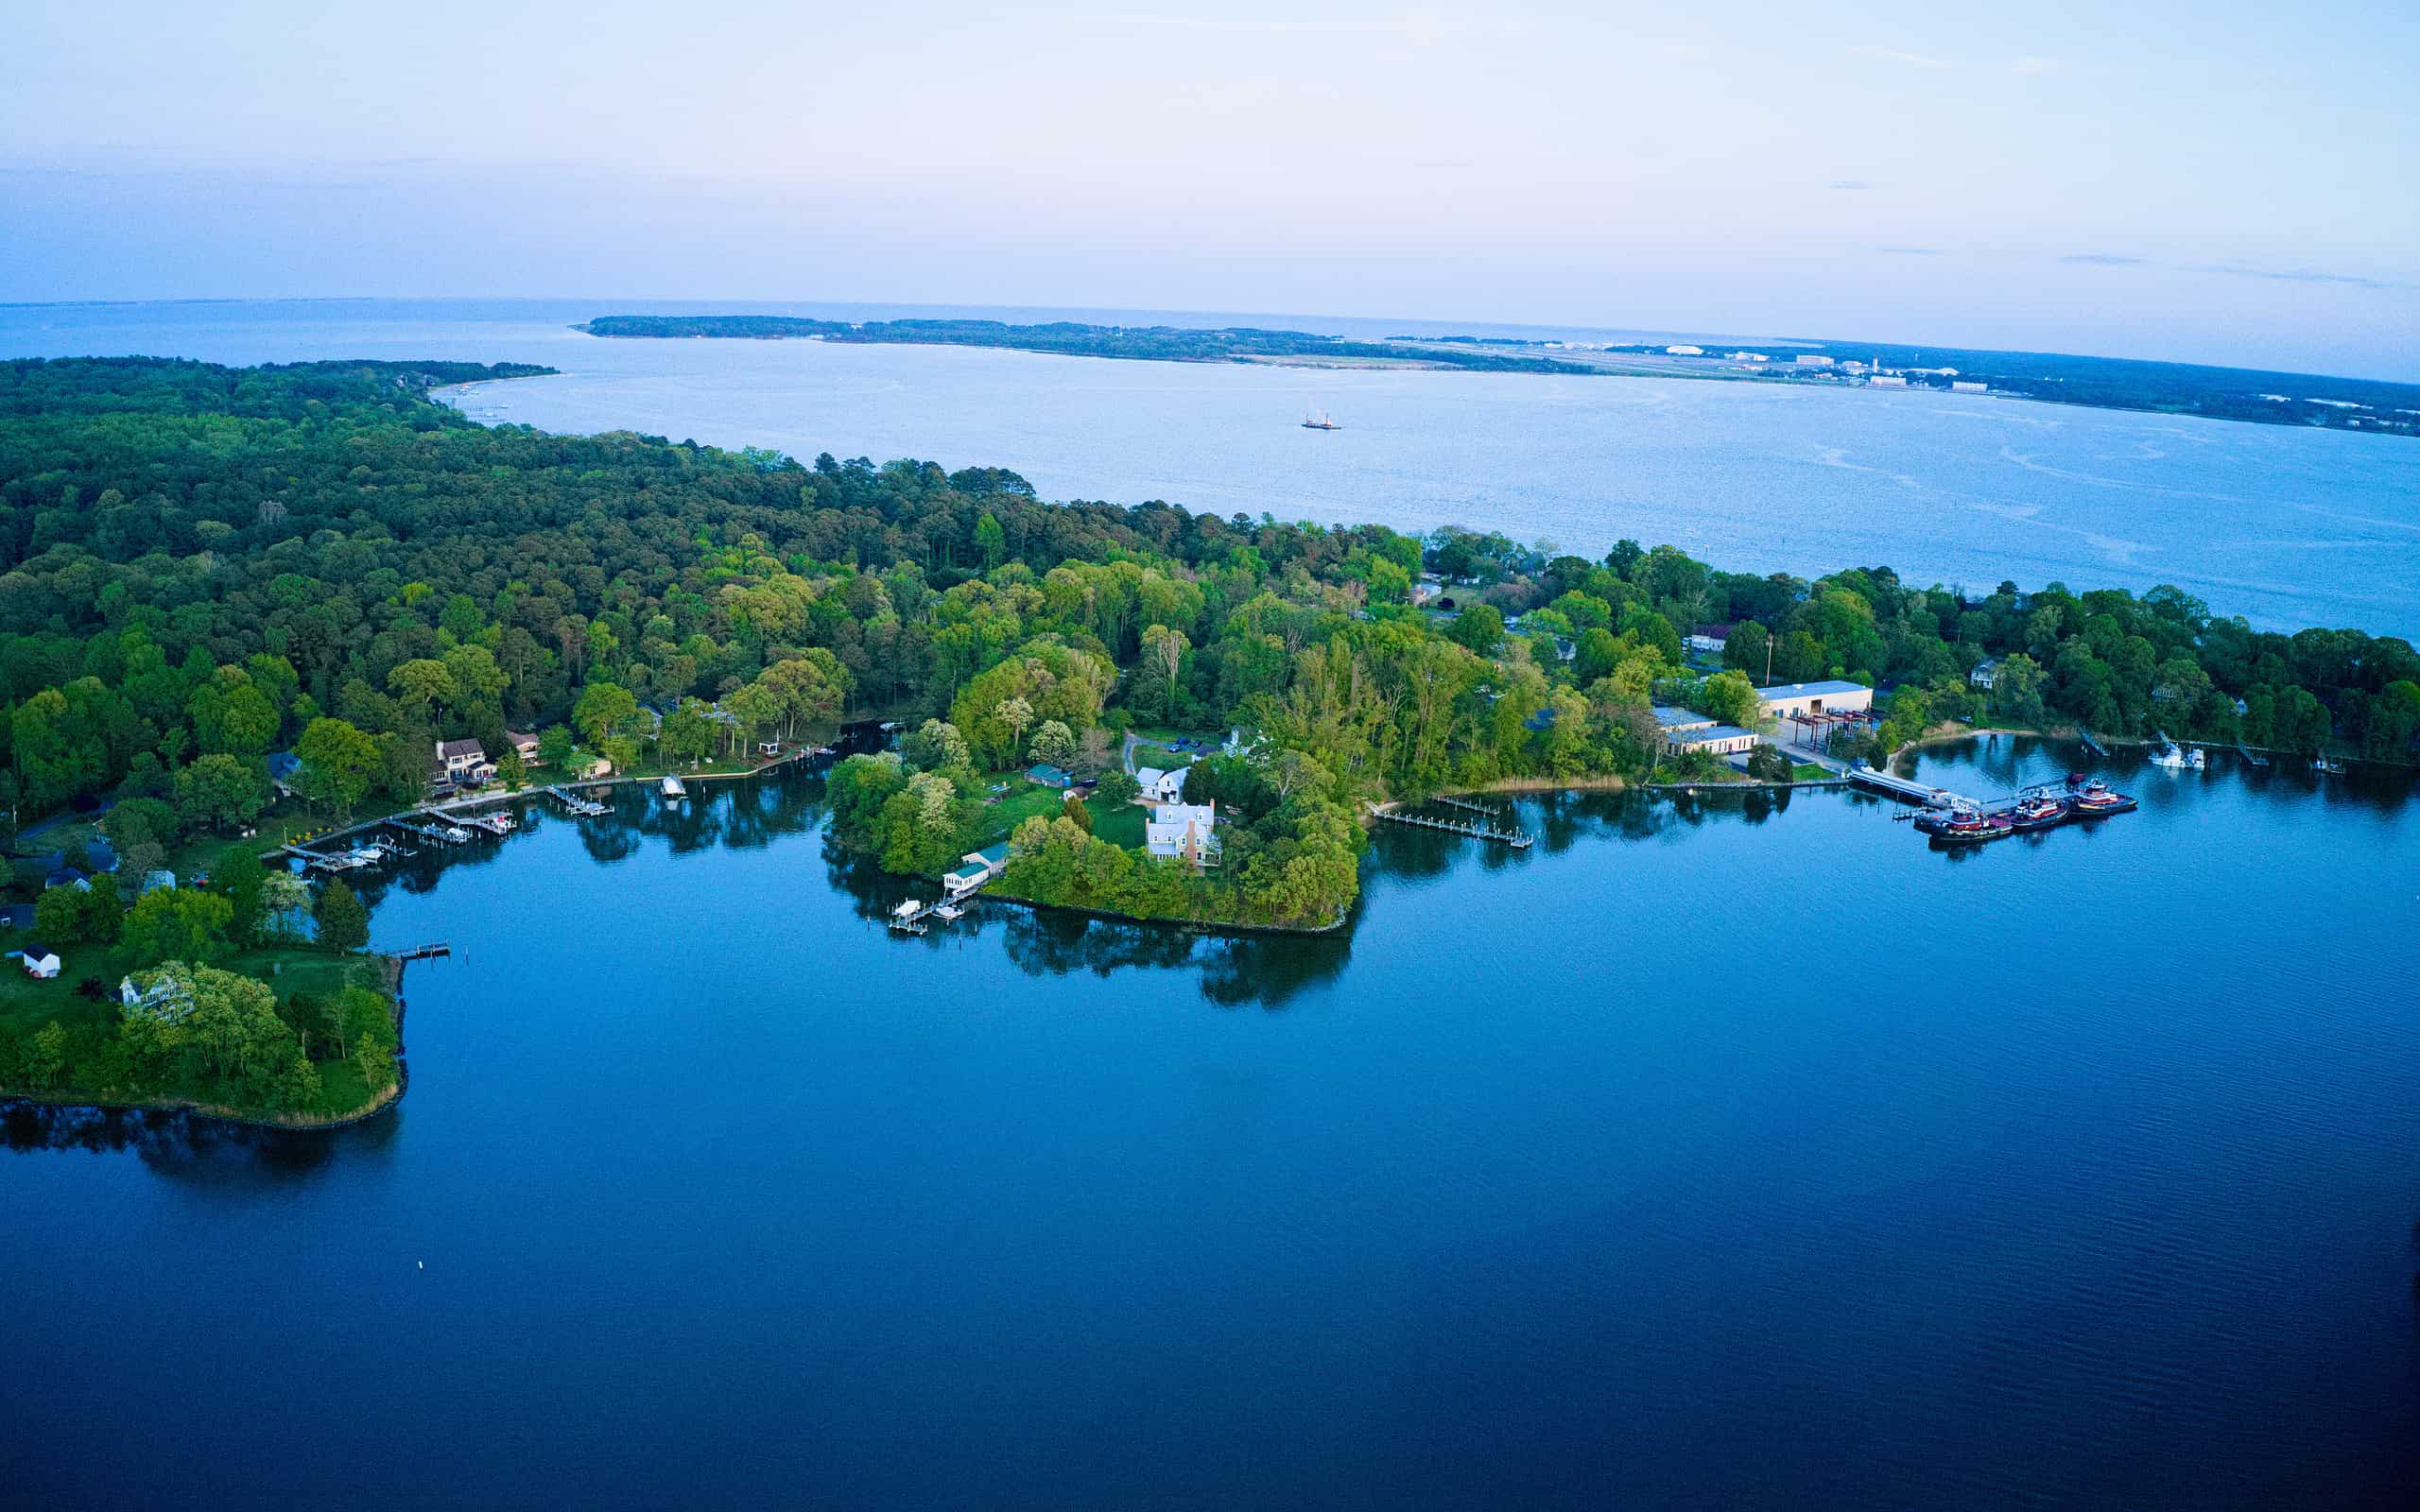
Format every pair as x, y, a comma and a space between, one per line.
1685, 350
1969, 388
1808, 359
1885, 379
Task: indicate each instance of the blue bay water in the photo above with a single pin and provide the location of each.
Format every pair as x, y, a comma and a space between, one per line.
2287, 527
1716, 1152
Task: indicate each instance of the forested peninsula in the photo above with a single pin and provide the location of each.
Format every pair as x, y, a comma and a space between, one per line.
1158, 343
203, 568
2370, 407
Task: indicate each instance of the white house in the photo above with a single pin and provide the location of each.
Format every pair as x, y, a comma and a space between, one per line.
40, 961
161, 994
464, 764
1187, 831
1986, 672
1161, 786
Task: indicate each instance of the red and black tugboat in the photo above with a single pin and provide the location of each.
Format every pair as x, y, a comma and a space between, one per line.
2040, 809
2097, 800
1964, 825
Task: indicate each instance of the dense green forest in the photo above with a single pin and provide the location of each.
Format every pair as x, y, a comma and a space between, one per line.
1157, 343
204, 565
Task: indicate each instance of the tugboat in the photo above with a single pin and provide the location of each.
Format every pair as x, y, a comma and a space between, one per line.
2097, 801
671, 787
1965, 826
2038, 810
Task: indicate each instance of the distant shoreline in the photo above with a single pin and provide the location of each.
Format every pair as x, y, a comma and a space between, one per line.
2363, 406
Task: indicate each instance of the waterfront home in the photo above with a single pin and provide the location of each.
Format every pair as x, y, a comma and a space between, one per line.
40, 961
1042, 774
68, 877
283, 767
1183, 832
1161, 786
1802, 700
463, 762
977, 867
1709, 640
160, 994
1986, 672
525, 745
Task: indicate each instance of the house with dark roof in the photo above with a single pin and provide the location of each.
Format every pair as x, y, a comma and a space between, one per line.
463, 762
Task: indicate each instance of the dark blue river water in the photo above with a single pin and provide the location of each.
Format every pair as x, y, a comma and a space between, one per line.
1716, 1152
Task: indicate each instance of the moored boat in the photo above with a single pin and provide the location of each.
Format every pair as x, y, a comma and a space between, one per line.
1965, 826
671, 787
2038, 811
2098, 800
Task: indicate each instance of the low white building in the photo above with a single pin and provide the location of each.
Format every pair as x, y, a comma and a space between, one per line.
1962, 387
1884, 380
1808, 359
1161, 786
1183, 832
1685, 350
1986, 673
1750, 356
1800, 700
40, 961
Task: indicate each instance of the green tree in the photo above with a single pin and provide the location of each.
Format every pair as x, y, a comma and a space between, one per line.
991, 540
1479, 628
340, 763
602, 710
177, 923
219, 792
45, 1057
344, 924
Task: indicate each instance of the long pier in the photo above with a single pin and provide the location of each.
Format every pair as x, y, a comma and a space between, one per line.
1517, 839
1482, 810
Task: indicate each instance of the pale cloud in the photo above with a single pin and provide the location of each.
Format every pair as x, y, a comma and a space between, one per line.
1418, 29
1896, 55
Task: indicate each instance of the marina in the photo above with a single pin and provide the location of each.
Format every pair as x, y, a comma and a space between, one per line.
1951, 818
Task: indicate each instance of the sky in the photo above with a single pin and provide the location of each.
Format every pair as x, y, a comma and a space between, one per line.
2213, 182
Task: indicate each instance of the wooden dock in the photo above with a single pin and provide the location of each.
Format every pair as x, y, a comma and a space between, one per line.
1517, 839
1464, 804
422, 953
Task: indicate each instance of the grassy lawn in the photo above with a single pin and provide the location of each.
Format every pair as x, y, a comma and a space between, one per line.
1118, 823
26, 1005
1808, 772
1022, 802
